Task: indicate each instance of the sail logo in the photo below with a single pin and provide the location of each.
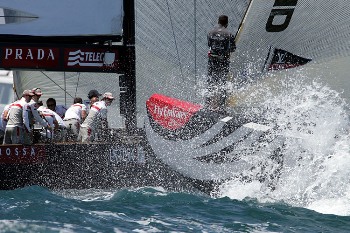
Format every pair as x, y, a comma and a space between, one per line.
282, 59
90, 59
281, 15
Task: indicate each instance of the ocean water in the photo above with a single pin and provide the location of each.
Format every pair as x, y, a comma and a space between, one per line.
311, 193
151, 209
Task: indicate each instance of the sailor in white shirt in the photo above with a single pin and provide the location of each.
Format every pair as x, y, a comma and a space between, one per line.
18, 120
74, 116
3, 121
59, 127
34, 115
97, 116
94, 96
50, 118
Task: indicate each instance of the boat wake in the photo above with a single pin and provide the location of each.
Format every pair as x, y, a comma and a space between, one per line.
316, 165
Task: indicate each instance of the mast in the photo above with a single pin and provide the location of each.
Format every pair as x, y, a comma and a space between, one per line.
128, 98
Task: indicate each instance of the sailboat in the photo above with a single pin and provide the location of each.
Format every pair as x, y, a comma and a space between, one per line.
163, 135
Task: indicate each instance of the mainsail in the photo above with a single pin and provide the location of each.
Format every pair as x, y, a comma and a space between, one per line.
315, 33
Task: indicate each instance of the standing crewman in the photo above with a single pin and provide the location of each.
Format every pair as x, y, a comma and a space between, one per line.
96, 117
221, 44
18, 120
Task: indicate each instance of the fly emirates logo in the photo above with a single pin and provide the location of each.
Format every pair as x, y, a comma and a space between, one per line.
166, 112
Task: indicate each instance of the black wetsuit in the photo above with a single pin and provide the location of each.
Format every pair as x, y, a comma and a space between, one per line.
221, 43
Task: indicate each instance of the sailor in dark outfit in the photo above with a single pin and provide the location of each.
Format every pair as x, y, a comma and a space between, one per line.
221, 44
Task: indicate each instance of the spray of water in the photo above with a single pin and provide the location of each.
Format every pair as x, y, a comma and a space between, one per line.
316, 158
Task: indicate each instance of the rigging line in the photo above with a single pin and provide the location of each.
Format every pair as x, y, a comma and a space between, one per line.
195, 40
76, 87
266, 60
14, 77
65, 88
177, 51
56, 83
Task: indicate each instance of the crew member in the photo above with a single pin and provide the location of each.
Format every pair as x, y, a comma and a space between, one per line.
97, 116
59, 109
221, 44
50, 118
74, 116
18, 120
34, 116
3, 122
94, 96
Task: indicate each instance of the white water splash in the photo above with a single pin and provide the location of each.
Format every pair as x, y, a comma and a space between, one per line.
316, 169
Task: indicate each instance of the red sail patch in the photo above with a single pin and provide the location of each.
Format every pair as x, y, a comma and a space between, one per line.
169, 112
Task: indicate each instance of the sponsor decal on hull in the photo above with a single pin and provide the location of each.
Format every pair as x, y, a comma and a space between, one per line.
122, 154
169, 112
19, 154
